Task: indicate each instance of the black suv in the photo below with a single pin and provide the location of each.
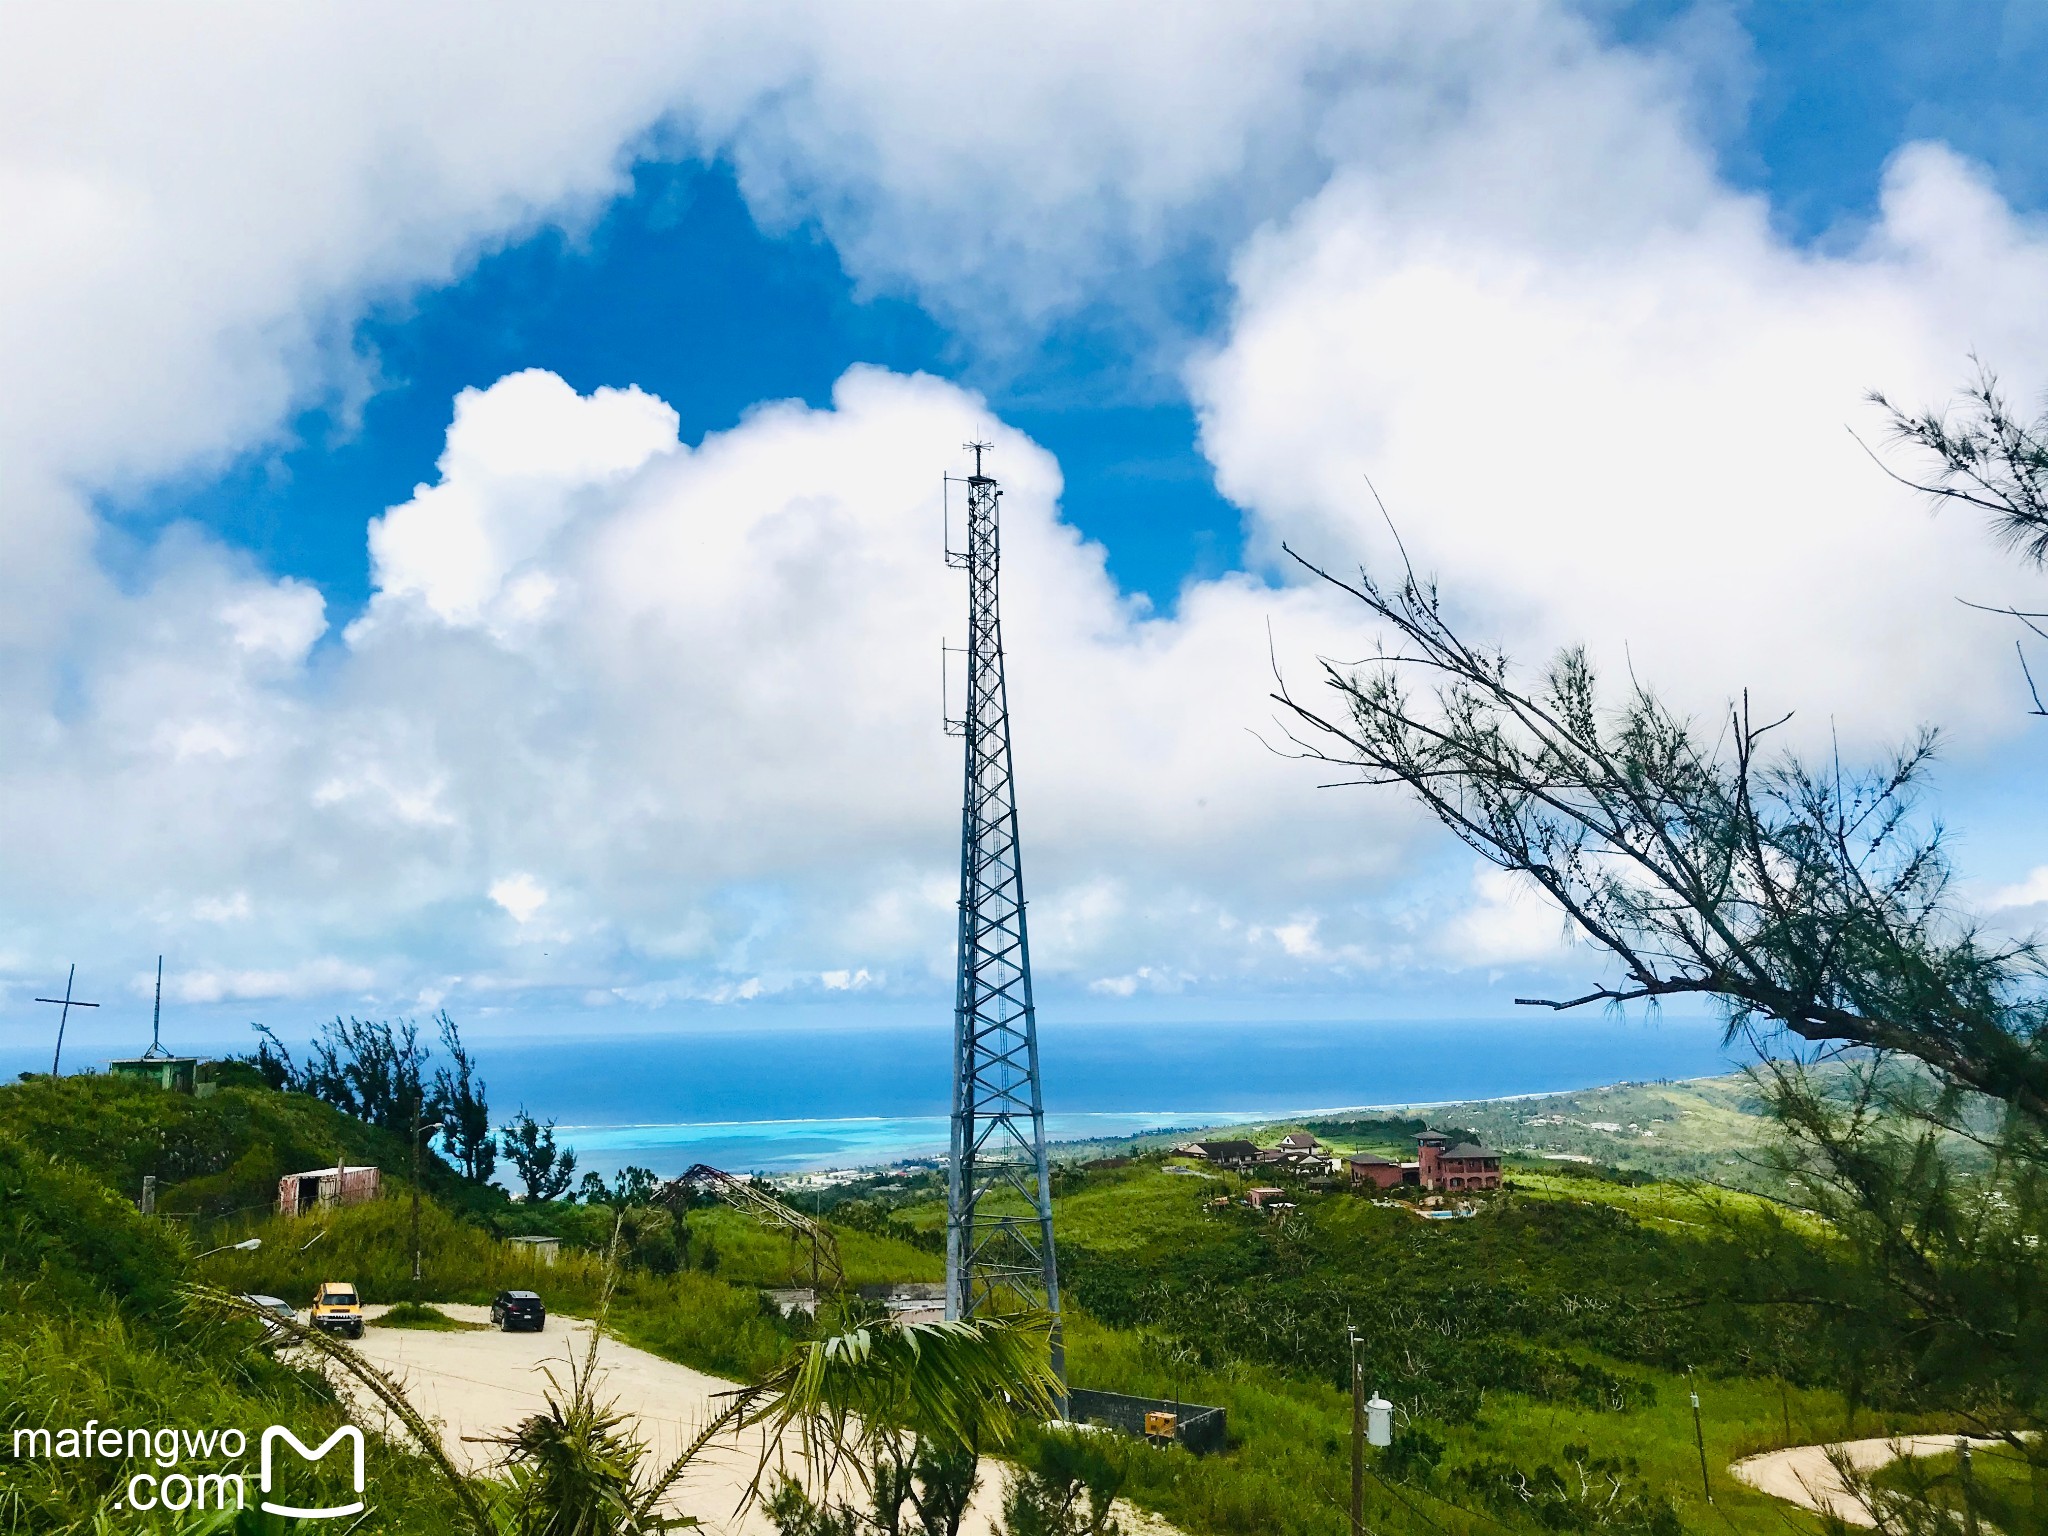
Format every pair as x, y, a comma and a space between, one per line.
518, 1309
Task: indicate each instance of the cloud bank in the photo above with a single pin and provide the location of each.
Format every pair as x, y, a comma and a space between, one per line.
633, 719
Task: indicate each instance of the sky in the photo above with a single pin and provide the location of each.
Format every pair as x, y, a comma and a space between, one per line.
473, 528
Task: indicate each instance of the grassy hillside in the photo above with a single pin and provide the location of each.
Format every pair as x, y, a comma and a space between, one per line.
91, 1330
211, 1157
1706, 1128
1540, 1354
1550, 1343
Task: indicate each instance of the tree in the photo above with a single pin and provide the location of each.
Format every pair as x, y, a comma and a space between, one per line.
1815, 901
273, 1061
1067, 1487
630, 1186
1804, 898
460, 1104
1990, 460
908, 1410
370, 1069
544, 1171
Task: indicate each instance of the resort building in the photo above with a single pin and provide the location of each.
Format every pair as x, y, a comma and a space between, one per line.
1442, 1164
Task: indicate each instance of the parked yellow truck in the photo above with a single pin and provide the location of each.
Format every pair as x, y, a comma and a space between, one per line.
337, 1308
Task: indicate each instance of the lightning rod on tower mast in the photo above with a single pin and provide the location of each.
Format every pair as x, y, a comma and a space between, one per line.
999, 1245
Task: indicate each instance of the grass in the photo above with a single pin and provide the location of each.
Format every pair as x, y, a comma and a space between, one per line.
92, 1329
1539, 1341
214, 1157
750, 1253
2006, 1485
416, 1314
1533, 1337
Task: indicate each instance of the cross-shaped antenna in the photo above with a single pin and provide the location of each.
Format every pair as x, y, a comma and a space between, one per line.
67, 1002
156, 1019
979, 450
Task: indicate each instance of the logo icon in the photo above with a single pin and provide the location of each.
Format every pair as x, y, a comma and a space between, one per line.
278, 1432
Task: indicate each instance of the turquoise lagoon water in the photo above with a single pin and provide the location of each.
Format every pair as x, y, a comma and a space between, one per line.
784, 1100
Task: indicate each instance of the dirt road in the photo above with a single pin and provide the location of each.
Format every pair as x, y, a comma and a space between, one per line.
1804, 1475
481, 1383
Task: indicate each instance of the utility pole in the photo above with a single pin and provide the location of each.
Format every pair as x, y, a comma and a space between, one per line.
67, 1002
418, 1130
999, 1244
1357, 1440
1699, 1436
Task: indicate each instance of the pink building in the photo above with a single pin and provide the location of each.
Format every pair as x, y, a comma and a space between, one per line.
1376, 1171
1466, 1165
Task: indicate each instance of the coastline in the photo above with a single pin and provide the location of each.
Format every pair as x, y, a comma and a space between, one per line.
817, 1146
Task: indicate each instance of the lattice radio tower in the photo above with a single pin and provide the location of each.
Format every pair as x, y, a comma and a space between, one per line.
999, 1250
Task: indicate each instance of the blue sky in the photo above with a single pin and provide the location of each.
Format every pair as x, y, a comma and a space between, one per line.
677, 289
621, 718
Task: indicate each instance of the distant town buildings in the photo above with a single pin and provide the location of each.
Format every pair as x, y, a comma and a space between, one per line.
1221, 1154
1440, 1164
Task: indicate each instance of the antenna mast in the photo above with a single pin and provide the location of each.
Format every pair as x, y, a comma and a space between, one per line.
999, 1247
156, 1018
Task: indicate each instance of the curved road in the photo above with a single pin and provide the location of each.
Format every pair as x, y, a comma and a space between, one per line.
1804, 1474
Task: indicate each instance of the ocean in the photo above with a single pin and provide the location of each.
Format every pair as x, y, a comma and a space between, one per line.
785, 1100
781, 1098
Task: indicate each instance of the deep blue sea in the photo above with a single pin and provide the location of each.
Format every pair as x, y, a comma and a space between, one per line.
783, 1098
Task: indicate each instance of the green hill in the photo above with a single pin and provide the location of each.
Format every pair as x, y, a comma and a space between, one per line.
1539, 1353
92, 1332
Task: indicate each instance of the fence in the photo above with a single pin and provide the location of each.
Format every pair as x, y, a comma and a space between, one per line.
1198, 1427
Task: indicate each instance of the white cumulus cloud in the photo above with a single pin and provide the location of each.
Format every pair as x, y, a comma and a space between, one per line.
521, 895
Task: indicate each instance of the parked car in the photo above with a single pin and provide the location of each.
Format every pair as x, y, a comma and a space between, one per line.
337, 1308
276, 1306
518, 1309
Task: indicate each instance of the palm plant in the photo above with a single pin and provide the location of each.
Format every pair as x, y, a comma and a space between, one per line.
576, 1468
907, 1411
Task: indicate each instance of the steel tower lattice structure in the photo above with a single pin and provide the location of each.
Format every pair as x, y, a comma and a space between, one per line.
999, 1245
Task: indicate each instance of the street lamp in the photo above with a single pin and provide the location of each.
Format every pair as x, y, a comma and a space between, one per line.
418, 1130
246, 1245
